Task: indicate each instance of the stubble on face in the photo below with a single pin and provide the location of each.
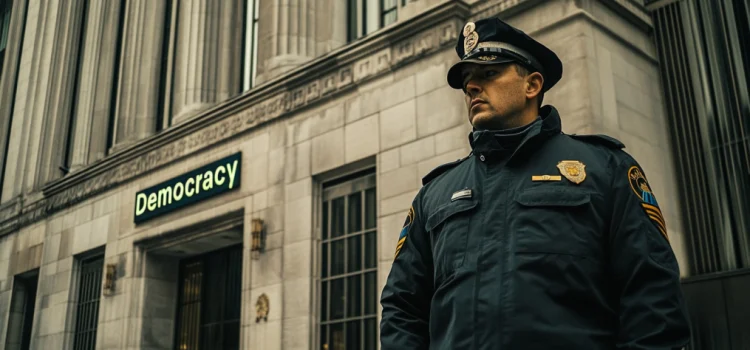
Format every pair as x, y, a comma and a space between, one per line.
495, 96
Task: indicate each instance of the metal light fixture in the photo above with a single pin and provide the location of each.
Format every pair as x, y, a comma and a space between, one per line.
258, 241
109, 279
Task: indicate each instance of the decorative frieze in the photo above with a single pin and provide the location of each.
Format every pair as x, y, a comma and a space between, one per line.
250, 111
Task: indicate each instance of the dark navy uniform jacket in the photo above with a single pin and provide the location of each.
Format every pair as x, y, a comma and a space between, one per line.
496, 255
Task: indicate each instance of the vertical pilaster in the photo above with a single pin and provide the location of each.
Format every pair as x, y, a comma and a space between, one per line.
138, 89
43, 96
8, 85
208, 55
91, 125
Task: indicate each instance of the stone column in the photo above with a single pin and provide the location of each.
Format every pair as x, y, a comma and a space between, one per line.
8, 84
208, 57
138, 90
43, 94
292, 32
91, 125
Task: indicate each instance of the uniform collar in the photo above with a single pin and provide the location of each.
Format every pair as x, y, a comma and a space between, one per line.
517, 140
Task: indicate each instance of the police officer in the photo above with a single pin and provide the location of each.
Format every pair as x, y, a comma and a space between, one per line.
537, 239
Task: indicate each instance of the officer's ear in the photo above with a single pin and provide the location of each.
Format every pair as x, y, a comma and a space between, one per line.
534, 84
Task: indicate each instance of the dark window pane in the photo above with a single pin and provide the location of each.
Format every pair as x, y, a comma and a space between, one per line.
389, 18
337, 337
232, 335
354, 253
370, 250
352, 20
353, 337
337, 217
214, 295
325, 220
324, 338
354, 296
211, 336
337, 299
355, 212
324, 257
209, 317
389, 4
233, 295
337, 257
371, 341
370, 208
324, 301
370, 292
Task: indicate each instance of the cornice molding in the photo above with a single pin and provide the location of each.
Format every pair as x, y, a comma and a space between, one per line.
319, 80
631, 10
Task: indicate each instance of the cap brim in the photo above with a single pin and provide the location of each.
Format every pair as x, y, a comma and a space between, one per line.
454, 73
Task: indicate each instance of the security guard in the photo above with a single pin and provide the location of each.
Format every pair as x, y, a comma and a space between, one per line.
537, 239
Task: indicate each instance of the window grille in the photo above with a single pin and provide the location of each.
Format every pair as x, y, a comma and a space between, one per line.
87, 310
348, 282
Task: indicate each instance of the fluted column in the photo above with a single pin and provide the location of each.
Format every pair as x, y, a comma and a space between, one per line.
43, 95
138, 90
208, 57
293, 32
91, 125
10, 72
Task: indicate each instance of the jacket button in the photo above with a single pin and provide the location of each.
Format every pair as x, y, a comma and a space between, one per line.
481, 157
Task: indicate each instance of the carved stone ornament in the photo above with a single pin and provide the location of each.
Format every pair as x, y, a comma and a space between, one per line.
332, 75
262, 306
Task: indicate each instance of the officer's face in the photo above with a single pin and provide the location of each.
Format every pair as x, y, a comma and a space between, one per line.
496, 96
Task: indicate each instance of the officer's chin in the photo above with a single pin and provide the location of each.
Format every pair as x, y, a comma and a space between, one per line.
481, 120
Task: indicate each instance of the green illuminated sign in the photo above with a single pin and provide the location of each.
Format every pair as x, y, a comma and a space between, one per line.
207, 181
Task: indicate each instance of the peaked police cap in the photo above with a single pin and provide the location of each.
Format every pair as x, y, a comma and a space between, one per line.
492, 41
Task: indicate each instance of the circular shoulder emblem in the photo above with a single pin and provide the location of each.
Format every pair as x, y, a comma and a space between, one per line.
639, 184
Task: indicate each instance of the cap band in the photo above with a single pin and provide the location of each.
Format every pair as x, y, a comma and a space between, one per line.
507, 49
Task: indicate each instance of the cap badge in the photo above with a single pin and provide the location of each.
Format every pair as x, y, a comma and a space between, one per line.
487, 58
573, 170
469, 27
471, 38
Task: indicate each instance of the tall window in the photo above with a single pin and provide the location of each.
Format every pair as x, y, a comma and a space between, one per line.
116, 78
365, 17
87, 310
76, 75
210, 294
21, 317
250, 44
5, 8
348, 282
389, 9
166, 74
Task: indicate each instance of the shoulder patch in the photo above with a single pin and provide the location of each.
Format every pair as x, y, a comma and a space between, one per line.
642, 189
404, 231
600, 139
441, 169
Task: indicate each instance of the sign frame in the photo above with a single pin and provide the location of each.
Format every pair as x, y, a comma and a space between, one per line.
195, 187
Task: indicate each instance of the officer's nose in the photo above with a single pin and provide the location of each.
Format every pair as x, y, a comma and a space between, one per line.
472, 87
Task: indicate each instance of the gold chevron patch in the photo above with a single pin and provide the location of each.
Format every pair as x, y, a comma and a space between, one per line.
657, 218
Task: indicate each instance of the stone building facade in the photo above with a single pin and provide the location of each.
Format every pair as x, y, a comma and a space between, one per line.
328, 112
